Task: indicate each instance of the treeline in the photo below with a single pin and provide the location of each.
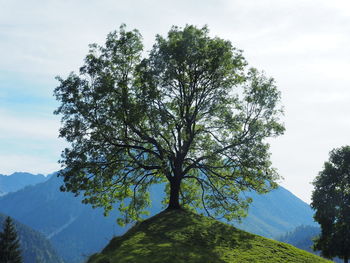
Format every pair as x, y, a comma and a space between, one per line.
301, 237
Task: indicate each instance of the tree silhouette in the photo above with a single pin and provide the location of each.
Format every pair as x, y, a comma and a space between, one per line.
331, 200
9, 244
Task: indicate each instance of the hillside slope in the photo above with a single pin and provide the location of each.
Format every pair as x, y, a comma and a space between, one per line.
275, 213
34, 246
301, 237
74, 229
181, 236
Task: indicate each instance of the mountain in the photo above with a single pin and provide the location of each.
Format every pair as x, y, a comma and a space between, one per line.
275, 213
34, 246
270, 215
76, 230
302, 236
176, 236
17, 181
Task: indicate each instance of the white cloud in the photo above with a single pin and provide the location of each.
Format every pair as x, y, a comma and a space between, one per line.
29, 143
15, 126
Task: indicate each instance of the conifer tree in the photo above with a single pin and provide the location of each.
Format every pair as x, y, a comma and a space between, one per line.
9, 244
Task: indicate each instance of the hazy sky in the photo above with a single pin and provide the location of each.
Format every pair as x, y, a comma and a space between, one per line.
303, 45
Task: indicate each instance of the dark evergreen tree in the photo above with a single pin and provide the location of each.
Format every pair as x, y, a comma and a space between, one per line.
331, 199
9, 244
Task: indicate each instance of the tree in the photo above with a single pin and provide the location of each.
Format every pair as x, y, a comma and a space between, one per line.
9, 244
189, 114
331, 200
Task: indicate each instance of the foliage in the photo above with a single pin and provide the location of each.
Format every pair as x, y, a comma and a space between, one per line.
9, 244
189, 114
331, 199
181, 236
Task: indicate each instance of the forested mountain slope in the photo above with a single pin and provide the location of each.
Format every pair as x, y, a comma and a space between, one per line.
273, 214
76, 230
34, 246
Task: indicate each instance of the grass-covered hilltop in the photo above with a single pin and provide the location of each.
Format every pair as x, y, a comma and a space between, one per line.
176, 236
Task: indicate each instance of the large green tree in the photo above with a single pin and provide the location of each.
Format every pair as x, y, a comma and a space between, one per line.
189, 114
331, 200
9, 244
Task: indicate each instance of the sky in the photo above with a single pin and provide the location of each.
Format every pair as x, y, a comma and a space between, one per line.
303, 44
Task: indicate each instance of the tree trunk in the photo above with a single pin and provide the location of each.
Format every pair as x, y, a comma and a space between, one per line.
174, 202
346, 259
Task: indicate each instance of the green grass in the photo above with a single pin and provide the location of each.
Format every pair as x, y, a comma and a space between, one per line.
177, 236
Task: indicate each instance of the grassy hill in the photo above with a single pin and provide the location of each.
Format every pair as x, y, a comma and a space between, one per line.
177, 236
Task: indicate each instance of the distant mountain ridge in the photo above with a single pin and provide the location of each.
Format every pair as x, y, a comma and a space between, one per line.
19, 180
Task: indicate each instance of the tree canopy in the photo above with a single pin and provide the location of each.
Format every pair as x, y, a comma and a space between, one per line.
331, 200
9, 244
189, 114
